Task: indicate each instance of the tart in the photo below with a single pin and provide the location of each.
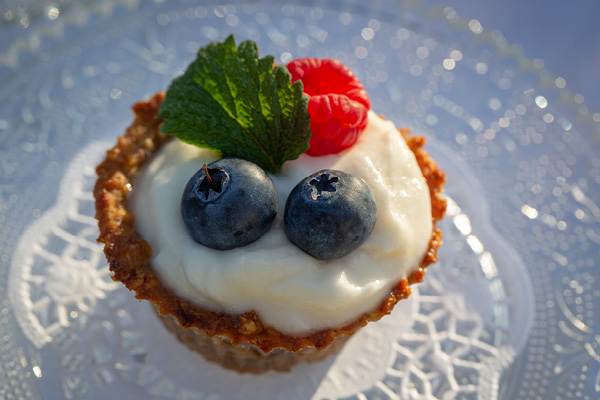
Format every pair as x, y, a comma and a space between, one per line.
246, 340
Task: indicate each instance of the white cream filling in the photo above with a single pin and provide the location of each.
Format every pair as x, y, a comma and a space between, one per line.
291, 291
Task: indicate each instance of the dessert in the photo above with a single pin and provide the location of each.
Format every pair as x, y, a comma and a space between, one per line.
268, 303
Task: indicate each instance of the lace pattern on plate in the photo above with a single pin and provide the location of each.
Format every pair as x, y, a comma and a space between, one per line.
434, 343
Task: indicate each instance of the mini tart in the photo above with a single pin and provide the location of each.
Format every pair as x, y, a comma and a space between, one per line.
129, 255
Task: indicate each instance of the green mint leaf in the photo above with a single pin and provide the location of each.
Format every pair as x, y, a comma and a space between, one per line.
233, 102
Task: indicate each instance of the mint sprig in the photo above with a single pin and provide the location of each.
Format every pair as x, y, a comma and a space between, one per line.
239, 105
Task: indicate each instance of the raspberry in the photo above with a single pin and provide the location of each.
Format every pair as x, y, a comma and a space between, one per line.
338, 103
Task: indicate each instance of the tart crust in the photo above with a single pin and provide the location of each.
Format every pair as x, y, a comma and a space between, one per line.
129, 255
245, 357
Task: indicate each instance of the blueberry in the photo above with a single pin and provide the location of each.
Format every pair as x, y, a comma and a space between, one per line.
329, 214
229, 203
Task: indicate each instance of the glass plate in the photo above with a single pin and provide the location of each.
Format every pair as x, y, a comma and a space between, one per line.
511, 309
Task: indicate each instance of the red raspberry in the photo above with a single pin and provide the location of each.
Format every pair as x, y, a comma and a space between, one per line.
338, 103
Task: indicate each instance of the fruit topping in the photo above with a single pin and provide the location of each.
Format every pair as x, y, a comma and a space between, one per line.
329, 214
338, 103
229, 203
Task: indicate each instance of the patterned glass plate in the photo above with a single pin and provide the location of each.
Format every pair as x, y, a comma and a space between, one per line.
510, 311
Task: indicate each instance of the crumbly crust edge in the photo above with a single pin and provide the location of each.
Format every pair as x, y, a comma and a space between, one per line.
129, 255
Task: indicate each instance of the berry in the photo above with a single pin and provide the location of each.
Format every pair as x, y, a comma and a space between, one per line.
329, 214
229, 203
338, 103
